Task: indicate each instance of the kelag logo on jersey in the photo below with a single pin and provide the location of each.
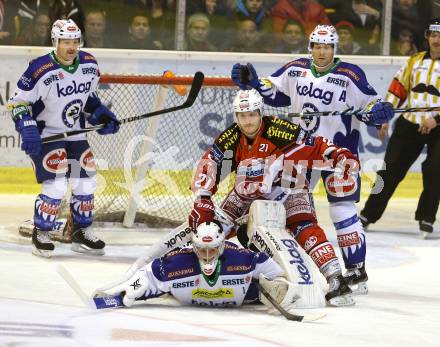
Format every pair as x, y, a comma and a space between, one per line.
309, 124
71, 112
325, 96
73, 89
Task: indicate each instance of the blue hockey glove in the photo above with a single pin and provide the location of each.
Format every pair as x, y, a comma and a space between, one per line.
245, 76
30, 136
381, 112
102, 115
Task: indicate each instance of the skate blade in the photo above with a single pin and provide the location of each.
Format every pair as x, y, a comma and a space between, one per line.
80, 248
360, 288
343, 300
425, 235
41, 252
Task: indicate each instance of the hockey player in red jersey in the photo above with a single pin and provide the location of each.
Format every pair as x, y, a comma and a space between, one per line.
269, 156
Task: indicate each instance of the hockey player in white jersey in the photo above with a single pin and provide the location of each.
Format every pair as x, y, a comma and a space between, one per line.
325, 83
56, 94
213, 273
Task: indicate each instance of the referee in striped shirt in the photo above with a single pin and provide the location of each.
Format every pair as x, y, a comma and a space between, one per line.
416, 84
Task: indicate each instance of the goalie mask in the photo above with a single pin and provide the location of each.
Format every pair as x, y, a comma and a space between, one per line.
65, 29
324, 34
208, 242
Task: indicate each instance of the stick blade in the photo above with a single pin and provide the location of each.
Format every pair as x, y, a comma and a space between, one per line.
196, 85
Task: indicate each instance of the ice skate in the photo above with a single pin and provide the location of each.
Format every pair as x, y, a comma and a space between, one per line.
356, 279
41, 244
425, 228
339, 293
83, 241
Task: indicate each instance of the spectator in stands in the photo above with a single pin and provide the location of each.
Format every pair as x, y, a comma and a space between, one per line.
294, 39
308, 12
254, 10
161, 15
197, 34
67, 9
405, 44
38, 33
139, 34
347, 43
94, 29
406, 17
219, 14
249, 39
365, 15
8, 12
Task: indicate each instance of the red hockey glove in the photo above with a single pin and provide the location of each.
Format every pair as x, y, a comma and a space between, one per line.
345, 162
203, 211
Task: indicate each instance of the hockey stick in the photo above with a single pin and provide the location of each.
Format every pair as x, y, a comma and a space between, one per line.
192, 96
102, 302
285, 313
359, 112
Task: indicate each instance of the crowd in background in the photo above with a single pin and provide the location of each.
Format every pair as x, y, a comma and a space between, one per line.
261, 26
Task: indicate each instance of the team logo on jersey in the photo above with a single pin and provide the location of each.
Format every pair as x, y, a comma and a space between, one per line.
71, 112
309, 124
325, 96
73, 89
338, 186
310, 242
56, 161
87, 160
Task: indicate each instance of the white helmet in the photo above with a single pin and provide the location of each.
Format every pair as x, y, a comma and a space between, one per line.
324, 34
248, 101
65, 29
208, 242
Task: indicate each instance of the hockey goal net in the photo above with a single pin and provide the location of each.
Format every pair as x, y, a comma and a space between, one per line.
145, 170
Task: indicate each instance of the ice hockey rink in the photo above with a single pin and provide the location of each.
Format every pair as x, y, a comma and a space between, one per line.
37, 308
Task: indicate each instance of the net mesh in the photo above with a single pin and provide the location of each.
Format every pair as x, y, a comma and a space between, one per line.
148, 164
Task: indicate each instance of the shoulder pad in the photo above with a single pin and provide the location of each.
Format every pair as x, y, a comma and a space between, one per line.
356, 75
37, 68
279, 131
302, 63
228, 139
85, 58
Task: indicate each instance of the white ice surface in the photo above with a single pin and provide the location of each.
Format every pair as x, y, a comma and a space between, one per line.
37, 308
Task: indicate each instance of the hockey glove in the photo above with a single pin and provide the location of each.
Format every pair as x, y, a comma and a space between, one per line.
381, 113
133, 288
345, 162
30, 136
245, 76
102, 115
203, 211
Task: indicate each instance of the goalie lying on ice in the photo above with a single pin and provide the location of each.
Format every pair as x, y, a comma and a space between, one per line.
213, 272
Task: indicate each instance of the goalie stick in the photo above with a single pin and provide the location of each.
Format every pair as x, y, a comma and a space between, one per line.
192, 96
